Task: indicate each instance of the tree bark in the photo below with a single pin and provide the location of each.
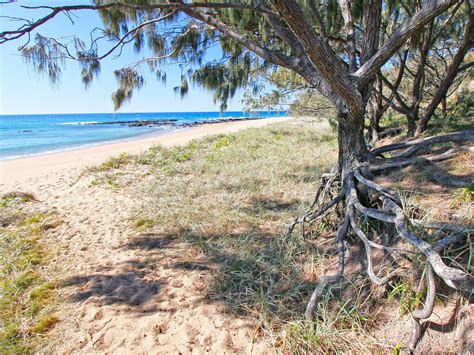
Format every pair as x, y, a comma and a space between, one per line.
411, 127
350, 34
375, 128
320, 55
352, 146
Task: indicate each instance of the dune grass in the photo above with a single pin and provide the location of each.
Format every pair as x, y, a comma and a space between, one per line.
230, 197
27, 295
229, 184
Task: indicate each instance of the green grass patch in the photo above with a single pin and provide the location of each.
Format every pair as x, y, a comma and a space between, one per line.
463, 195
15, 198
45, 324
26, 296
115, 163
143, 223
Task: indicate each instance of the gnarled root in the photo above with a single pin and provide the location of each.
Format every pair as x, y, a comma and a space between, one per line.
387, 209
327, 280
413, 146
465, 321
319, 209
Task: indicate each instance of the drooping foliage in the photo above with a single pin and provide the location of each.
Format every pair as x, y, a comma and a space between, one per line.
167, 36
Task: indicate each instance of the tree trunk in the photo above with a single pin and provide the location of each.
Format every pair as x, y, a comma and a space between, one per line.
352, 146
411, 123
376, 109
444, 106
451, 74
375, 129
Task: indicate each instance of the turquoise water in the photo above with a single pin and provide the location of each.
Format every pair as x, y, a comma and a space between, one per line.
26, 135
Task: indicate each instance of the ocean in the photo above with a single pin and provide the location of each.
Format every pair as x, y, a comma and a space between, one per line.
28, 135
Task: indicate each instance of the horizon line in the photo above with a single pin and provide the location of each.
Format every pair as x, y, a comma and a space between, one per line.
118, 113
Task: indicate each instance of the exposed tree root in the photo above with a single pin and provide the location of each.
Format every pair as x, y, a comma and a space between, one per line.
325, 281
465, 321
317, 209
383, 190
415, 145
400, 163
440, 177
387, 209
389, 132
449, 227
427, 309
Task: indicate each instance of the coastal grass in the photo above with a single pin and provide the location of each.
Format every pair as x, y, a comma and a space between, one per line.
230, 197
245, 184
27, 294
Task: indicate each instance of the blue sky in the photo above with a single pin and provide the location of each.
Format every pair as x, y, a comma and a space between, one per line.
22, 91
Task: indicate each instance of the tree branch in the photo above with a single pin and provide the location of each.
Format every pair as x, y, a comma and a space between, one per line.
372, 17
426, 14
140, 26
55, 10
350, 34
318, 19
321, 55
453, 70
246, 41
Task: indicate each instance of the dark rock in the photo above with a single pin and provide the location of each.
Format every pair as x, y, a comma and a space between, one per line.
169, 122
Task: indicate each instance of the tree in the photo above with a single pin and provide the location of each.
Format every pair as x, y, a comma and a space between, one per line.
429, 69
338, 48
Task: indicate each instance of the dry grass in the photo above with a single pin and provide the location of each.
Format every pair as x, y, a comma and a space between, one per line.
435, 201
225, 185
231, 196
27, 295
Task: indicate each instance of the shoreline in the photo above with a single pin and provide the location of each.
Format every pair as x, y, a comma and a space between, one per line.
38, 170
172, 124
74, 148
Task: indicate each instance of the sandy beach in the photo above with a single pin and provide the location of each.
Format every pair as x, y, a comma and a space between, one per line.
115, 302
45, 169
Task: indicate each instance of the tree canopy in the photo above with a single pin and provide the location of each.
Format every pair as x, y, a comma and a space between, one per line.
337, 47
